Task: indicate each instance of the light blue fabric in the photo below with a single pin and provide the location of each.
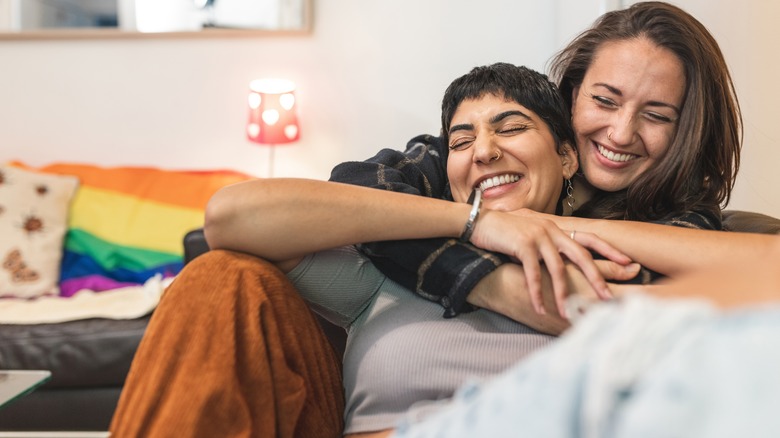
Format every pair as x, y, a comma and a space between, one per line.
640, 368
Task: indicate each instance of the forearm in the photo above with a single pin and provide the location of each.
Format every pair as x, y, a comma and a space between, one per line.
283, 219
738, 282
669, 250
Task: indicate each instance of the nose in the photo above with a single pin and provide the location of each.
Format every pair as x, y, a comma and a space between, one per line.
485, 150
624, 128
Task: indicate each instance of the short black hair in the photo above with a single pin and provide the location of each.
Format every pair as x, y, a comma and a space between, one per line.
527, 87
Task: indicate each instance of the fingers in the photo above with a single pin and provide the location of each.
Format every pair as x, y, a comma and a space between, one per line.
588, 267
585, 261
556, 268
578, 255
549, 245
592, 241
545, 249
533, 278
533, 241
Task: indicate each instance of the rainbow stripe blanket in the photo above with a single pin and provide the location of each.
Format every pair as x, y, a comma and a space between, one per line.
126, 224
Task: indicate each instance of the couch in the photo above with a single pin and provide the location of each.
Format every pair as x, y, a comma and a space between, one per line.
733, 220
122, 241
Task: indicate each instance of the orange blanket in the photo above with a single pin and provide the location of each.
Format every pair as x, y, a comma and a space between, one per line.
232, 351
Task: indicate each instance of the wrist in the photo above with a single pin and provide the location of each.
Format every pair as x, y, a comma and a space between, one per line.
471, 222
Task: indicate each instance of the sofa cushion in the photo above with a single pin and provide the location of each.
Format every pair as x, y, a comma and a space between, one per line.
33, 216
86, 353
750, 222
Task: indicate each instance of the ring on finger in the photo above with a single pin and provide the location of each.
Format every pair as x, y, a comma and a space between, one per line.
573, 233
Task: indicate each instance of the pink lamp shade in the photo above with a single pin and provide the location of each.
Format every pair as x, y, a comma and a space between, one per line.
272, 112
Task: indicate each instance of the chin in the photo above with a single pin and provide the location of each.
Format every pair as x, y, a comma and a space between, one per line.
504, 206
607, 183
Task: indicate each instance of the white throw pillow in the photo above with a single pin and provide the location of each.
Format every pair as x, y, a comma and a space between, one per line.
33, 219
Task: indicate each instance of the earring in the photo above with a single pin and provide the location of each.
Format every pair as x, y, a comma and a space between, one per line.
569, 194
498, 155
609, 136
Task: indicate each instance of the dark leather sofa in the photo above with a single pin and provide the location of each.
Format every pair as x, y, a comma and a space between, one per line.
89, 359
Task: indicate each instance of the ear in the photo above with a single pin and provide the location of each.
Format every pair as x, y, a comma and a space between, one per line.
569, 160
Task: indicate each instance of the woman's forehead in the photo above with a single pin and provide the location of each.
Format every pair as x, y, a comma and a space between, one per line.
490, 103
639, 66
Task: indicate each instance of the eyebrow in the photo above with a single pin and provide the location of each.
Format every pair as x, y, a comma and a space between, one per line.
499, 117
651, 103
493, 120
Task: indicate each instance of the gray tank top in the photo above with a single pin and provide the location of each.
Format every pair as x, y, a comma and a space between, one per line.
402, 357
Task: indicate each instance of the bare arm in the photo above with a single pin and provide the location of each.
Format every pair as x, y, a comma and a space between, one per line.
672, 251
283, 220
732, 282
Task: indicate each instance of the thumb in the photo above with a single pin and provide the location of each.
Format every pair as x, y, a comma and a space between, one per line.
615, 271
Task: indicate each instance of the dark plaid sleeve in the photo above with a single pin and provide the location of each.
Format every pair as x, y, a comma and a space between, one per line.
701, 220
440, 270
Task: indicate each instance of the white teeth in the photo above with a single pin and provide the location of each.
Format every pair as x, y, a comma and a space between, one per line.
611, 156
497, 181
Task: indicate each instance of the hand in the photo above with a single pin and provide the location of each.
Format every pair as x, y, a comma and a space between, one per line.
611, 271
528, 237
505, 291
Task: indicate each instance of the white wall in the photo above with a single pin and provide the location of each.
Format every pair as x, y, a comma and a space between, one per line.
371, 75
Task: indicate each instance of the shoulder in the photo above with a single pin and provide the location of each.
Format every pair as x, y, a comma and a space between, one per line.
421, 168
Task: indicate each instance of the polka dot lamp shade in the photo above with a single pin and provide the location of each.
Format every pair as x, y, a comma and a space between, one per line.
273, 118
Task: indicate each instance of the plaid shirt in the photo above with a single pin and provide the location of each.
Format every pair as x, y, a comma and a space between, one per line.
440, 270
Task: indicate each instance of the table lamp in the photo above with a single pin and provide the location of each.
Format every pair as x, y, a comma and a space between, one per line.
272, 115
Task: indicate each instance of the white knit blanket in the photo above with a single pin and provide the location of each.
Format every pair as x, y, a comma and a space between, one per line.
122, 303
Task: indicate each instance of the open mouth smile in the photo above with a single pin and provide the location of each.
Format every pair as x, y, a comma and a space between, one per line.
498, 180
616, 157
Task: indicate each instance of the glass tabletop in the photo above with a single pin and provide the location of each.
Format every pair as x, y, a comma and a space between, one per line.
16, 383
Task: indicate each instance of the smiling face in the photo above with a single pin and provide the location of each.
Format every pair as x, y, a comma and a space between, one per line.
625, 111
509, 151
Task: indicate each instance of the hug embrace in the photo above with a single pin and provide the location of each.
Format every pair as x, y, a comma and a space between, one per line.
588, 206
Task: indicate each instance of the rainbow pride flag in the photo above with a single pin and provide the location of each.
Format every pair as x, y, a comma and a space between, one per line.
127, 224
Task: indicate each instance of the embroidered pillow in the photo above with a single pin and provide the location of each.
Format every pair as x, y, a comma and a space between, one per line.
33, 219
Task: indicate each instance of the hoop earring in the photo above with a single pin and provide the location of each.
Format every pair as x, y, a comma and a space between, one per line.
570, 194
498, 155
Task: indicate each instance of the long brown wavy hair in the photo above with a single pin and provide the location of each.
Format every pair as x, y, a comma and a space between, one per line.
697, 172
